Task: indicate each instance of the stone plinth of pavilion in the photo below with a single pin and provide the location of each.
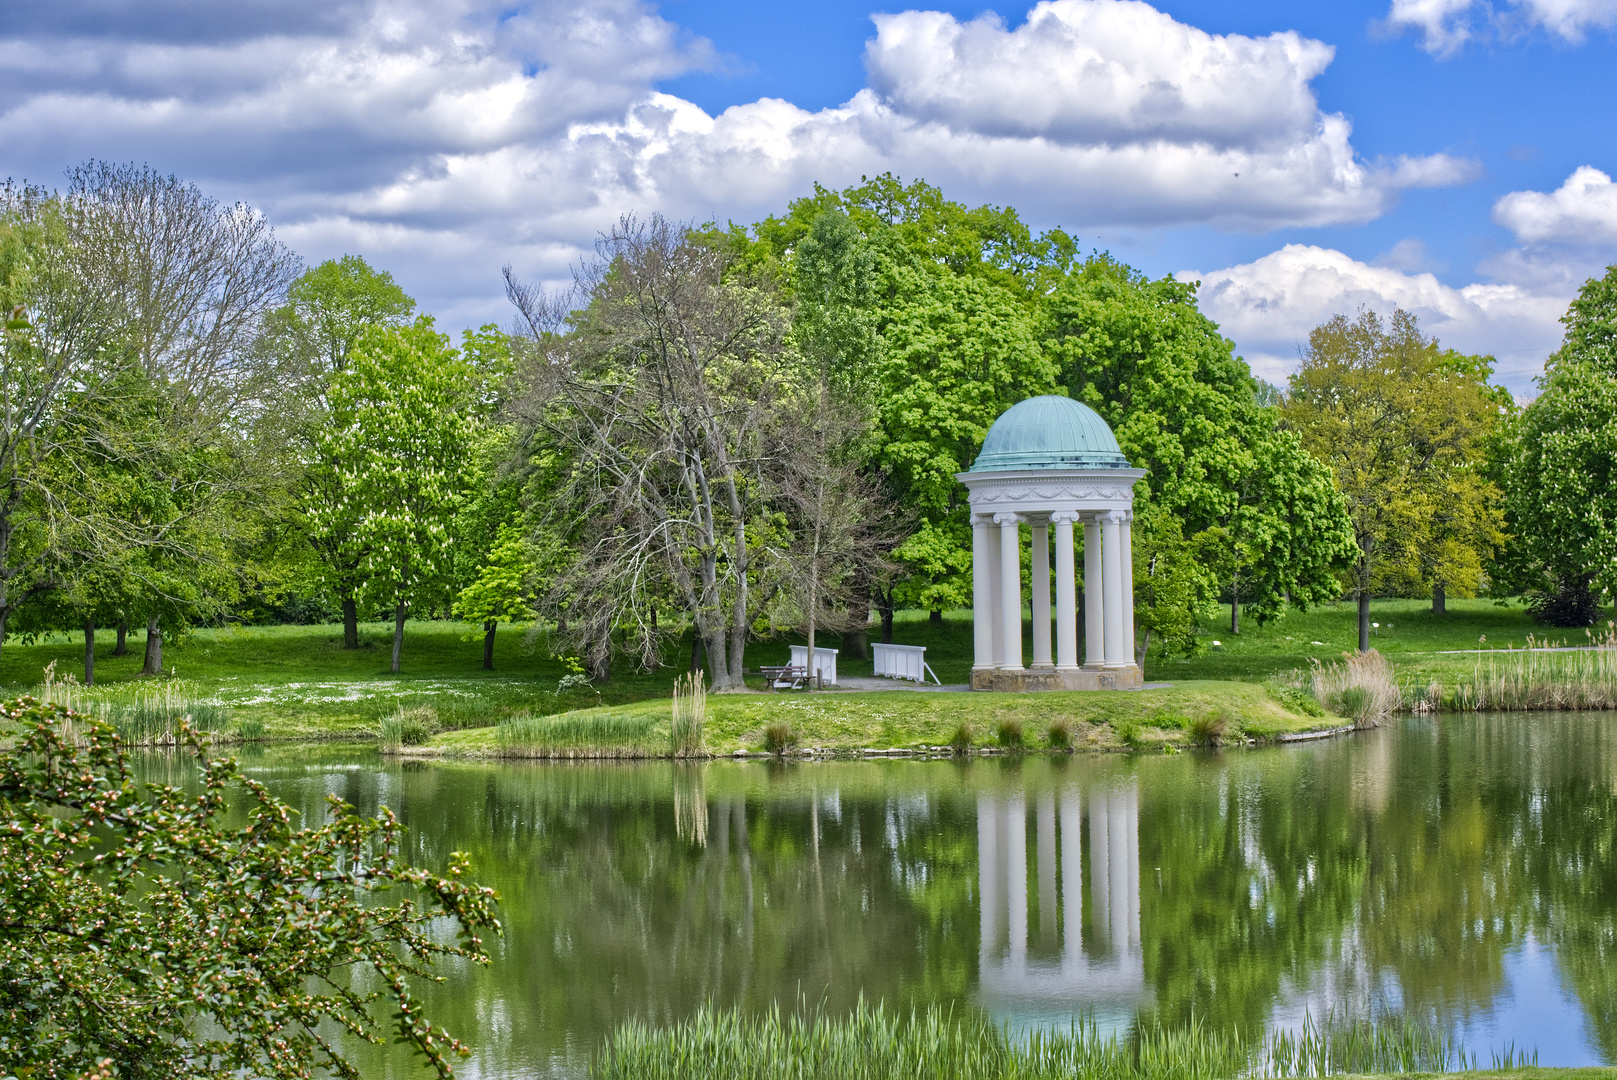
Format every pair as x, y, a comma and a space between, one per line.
1052, 464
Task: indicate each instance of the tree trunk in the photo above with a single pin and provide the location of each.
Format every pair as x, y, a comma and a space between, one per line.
598, 662
350, 623
489, 626
154, 648
856, 642
1235, 604
1145, 647
122, 647
398, 634
813, 600
935, 616
1440, 600
89, 652
1364, 620
884, 606
696, 651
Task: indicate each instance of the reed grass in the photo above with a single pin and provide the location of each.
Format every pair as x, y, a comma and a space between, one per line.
144, 716
1361, 687
1542, 677
689, 715
407, 726
578, 735
874, 1043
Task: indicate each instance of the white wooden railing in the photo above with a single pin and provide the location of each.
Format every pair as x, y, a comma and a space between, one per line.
904, 662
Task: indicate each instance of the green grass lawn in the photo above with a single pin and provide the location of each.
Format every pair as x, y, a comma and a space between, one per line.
299, 682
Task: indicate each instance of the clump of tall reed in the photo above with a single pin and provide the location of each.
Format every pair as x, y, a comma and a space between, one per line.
1059, 735
960, 741
1009, 733
779, 738
1541, 676
1208, 730
577, 735
408, 726
1361, 688
873, 1042
144, 717
689, 715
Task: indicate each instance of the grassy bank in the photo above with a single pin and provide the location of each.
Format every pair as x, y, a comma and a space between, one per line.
298, 682
875, 1042
1182, 715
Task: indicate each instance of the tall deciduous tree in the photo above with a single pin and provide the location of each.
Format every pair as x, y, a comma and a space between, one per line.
1404, 427
401, 442
329, 308
1562, 470
657, 405
1250, 503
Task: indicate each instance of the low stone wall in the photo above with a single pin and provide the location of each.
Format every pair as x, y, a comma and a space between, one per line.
1030, 680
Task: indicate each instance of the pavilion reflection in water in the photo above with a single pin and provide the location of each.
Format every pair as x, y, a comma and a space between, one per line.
1055, 940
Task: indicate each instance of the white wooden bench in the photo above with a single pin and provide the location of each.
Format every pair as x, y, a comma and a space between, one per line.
904, 662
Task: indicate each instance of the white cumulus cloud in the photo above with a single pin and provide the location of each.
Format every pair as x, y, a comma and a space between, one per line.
1582, 211
1268, 307
1446, 25
445, 138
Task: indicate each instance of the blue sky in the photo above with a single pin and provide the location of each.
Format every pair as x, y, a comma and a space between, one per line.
1448, 156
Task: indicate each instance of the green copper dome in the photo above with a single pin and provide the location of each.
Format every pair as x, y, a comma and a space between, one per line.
1049, 432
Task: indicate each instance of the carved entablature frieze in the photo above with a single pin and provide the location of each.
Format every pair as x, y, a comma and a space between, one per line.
1039, 493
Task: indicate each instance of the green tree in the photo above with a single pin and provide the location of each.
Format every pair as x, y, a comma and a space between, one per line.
1256, 509
1404, 426
329, 309
144, 930
500, 592
1563, 464
400, 443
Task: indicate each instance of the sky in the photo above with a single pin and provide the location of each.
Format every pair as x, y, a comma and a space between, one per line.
1453, 157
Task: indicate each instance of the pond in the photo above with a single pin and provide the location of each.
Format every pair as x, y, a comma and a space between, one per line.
1462, 869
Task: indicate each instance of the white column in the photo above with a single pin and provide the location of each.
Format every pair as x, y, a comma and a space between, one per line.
1010, 589
1094, 601
1127, 544
1040, 571
996, 625
1066, 596
1016, 895
1072, 880
982, 595
1111, 547
1044, 853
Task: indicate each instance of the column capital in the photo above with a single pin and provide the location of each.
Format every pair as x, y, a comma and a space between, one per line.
1115, 517
1006, 518
1065, 517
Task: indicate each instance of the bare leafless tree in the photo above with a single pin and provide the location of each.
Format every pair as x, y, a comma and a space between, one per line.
658, 400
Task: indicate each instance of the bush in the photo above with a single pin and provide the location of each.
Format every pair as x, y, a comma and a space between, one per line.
1571, 605
1009, 734
779, 738
261, 925
1060, 735
1293, 697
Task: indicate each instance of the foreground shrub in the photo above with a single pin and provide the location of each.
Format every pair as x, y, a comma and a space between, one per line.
873, 1043
1060, 734
218, 950
1208, 730
1009, 734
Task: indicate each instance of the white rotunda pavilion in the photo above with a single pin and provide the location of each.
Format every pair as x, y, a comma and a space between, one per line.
1052, 464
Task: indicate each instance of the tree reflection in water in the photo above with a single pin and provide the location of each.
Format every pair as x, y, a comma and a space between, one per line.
1406, 866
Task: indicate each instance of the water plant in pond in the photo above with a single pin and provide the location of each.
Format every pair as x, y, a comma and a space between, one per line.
874, 1042
140, 713
1361, 687
1538, 677
1208, 730
578, 735
689, 715
408, 727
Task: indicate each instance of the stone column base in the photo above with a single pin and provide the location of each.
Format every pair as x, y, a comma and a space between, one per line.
1028, 681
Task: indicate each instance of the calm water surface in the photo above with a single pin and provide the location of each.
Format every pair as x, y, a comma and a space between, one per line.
1462, 869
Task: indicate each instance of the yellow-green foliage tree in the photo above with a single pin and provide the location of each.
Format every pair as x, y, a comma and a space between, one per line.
1404, 426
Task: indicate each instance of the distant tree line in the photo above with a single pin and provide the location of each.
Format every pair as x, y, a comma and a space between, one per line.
725, 432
